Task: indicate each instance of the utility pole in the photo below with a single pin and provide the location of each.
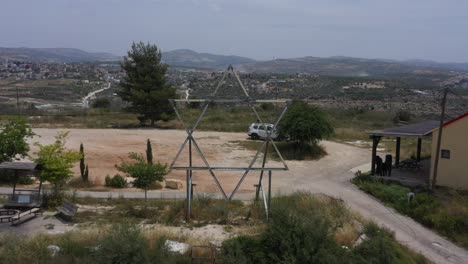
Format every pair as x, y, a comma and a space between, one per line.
439, 138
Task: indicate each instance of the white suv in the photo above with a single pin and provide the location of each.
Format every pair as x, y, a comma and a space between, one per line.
261, 131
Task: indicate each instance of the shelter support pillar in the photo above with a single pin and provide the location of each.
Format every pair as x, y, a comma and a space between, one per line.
418, 152
397, 152
375, 143
14, 185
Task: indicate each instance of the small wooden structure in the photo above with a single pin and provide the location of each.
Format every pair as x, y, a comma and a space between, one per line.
23, 198
68, 210
417, 130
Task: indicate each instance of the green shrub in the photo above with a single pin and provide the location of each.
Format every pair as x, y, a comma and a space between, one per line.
299, 151
381, 248
301, 230
119, 244
101, 103
52, 199
124, 244
404, 116
79, 183
25, 180
267, 106
116, 182
242, 250
304, 123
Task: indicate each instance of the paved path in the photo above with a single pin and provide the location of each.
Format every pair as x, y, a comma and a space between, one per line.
331, 175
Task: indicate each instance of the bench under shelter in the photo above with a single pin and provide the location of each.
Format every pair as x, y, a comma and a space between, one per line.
416, 131
22, 198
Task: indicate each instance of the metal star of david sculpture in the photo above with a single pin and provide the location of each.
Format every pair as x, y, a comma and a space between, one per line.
190, 140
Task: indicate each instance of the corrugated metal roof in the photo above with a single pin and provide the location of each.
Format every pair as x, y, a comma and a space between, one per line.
412, 130
20, 166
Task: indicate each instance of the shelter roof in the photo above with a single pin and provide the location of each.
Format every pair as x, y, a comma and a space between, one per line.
26, 166
413, 130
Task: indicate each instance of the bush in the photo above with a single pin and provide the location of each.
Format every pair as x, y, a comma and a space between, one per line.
124, 244
297, 151
402, 116
304, 123
79, 183
267, 106
302, 229
381, 247
101, 103
119, 244
52, 199
116, 182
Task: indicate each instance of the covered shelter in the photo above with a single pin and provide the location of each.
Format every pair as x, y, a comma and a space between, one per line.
417, 131
23, 198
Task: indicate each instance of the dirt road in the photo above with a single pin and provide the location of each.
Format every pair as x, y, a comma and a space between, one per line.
329, 175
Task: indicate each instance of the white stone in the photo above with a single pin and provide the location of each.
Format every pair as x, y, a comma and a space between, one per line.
361, 239
177, 247
174, 184
53, 250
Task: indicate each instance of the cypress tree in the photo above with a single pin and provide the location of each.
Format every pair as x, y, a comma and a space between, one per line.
149, 152
86, 174
82, 163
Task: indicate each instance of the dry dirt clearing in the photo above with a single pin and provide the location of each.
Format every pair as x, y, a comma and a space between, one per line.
106, 147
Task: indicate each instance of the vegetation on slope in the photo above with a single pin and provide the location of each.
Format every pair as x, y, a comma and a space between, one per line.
303, 228
443, 210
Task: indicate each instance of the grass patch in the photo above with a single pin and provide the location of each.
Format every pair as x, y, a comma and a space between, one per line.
116, 244
79, 183
205, 210
444, 210
303, 228
352, 124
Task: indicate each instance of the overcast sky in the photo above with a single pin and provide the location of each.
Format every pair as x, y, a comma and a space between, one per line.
260, 29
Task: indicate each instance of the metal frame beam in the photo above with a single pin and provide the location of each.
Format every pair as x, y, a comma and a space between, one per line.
191, 140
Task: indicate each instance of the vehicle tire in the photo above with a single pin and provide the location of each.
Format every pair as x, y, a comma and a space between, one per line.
254, 137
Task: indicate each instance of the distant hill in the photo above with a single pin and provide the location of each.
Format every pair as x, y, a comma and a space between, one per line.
338, 66
54, 55
347, 66
190, 58
438, 65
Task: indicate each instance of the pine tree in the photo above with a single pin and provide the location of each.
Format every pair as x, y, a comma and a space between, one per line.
144, 85
82, 163
149, 152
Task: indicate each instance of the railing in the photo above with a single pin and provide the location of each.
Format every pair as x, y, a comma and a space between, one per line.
204, 253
